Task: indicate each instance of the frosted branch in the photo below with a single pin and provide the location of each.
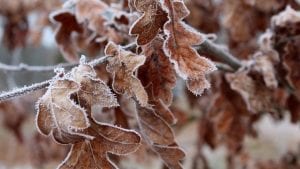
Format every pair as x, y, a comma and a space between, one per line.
24, 67
37, 86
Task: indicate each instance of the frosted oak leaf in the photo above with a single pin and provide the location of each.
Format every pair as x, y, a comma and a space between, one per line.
178, 46
122, 65
93, 91
58, 115
94, 153
152, 20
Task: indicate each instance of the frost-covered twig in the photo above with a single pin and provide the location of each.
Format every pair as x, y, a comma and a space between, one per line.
24, 67
208, 47
24, 90
37, 86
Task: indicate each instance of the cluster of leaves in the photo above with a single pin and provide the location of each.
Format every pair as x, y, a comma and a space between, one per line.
165, 47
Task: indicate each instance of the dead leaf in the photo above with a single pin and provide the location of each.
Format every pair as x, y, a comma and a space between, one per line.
178, 46
93, 91
159, 137
157, 73
93, 13
159, 77
256, 95
149, 24
156, 129
172, 155
122, 65
93, 153
63, 34
58, 115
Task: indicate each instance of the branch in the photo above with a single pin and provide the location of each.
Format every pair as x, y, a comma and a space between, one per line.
223, 67
208, 47
37, 86
24, 90
24, 67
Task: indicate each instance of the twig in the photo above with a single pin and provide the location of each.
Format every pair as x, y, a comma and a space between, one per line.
37, 86
24, 67
223, 67
24, 90
208, 47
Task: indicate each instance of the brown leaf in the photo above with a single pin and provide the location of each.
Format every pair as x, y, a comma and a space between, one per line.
159, 77
16, 30
256, 95
93, 153
160, 137
264, 64
63, 34
93, 12
122, 65
178, 46
92, 91
236, 20
157, 73
171, 155
228, 118
152, 20
14, 114
156, 129
58, 115
163, 111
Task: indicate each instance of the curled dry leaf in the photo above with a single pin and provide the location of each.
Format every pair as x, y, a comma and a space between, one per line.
152, 20
178, 46
58, 115
63, 34
122, 65
93, 153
